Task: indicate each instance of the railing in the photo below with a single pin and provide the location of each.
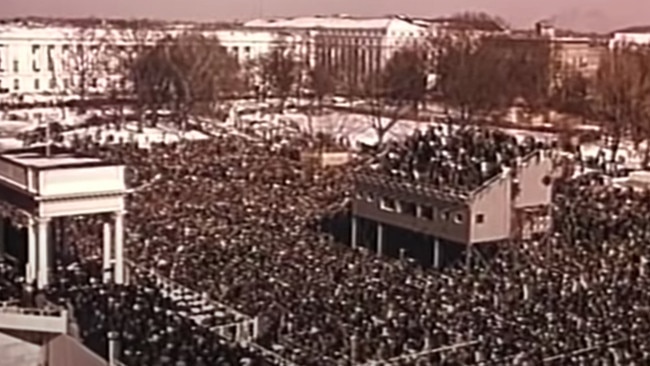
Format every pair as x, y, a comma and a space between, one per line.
13, 309
168, 284
421, 188
414, 356
449, 194
240, 332
275, 358
47, 319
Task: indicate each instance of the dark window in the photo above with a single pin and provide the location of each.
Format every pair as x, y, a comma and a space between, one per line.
409, 208
388, 204
458, 218
427, 212
480, 218
16, 84
37, 84
50, 58
16, 66
444, 216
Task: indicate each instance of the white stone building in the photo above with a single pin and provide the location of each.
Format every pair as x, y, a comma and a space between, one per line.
351, 46
631, 36
38, 59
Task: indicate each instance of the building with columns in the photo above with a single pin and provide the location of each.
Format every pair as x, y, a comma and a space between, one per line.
39, 58
351, 47
47, 183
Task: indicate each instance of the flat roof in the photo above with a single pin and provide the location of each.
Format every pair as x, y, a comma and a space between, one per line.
60, 158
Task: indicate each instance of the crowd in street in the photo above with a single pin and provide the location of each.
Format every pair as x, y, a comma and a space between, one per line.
234, 218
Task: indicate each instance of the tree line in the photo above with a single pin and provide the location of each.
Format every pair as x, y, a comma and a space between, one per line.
475, 78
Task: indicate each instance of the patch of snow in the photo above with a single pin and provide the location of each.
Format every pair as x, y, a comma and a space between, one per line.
129, 132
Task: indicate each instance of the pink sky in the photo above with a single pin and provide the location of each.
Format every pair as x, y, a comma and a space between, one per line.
602, 15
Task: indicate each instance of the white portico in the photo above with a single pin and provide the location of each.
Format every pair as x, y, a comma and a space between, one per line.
46, 183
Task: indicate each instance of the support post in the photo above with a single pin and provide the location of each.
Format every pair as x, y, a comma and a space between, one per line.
43, 251
436, 253
353, 232
107, 255
2, 238
32, 250
113, 348
380, 239
119, 247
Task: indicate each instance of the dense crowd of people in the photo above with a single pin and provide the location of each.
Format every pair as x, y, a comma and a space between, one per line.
233, 217
458, 160
146, 322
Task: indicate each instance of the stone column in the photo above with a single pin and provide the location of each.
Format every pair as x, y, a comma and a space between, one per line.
43, 251
353, 232
107, 253
119, 247
32, 250
380, 239
436, 253
2, 238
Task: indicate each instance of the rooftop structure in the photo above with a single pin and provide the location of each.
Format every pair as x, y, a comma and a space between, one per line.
452, 199
46, 182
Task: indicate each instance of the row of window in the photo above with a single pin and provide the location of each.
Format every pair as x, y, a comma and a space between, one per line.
425, 212
67, 83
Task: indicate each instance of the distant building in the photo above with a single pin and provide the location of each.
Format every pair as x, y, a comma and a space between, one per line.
350, 47
568, 51
40, 58
353, 48
638, 35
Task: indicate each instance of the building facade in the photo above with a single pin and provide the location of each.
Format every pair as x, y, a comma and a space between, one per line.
40, 59
630, 36
351, 48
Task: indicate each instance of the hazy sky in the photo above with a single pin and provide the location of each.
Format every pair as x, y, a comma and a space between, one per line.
600, 15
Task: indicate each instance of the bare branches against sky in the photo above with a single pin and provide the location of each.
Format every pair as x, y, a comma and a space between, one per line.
597, 15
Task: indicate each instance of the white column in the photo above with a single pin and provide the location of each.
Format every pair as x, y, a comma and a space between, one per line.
436, 253
107, 255
43, 251
119, 247
353, 232
32, 250
380, 239
2, 238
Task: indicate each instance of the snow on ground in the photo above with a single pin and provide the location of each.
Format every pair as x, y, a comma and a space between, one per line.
129, 132
9, 143
11, 128
358, 128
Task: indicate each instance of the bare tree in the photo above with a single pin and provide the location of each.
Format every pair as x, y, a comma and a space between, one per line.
571, 93
130, 39
191, 74
479, 21
621, 93
398, 91
83, 58
471, 78
280, 72
321, 83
